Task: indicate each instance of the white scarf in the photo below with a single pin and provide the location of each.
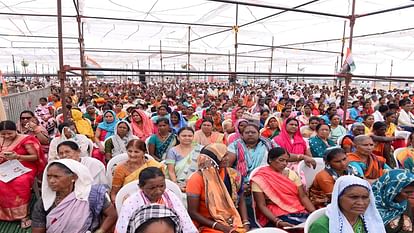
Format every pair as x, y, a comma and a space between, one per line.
372, 218
120, 143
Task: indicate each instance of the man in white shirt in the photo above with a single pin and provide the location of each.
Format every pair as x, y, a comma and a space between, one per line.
379, 114
406, 118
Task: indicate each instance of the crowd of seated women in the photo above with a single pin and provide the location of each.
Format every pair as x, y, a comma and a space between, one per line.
237, 170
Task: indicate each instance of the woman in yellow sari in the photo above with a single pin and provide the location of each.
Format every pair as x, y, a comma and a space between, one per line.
82, 126
129, 171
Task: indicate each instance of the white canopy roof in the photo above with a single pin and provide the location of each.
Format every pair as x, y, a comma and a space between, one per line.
123, 39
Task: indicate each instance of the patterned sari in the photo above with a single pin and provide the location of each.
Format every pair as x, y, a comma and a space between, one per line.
161, 147
15, 195
187, 165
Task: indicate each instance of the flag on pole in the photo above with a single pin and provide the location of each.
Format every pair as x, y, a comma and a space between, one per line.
349, 64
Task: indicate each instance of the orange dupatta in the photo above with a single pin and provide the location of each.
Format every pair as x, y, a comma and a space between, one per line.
374, 167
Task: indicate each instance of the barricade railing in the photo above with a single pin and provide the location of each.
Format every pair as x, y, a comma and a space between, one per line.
14, 104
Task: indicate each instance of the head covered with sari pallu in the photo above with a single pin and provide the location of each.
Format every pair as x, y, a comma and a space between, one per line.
220, 202
74, 208
108, 127
147, 125
284, 140
338, 223
386, 189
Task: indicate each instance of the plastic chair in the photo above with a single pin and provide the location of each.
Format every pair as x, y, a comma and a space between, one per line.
313, 217
132, 188
395, 154
124, 193
310, 173
268, 230
110, 167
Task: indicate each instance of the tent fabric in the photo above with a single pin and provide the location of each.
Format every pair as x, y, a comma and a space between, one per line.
128, 44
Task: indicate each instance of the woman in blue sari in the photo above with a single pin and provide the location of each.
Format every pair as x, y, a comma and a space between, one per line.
392, 191
319, 143
177, 122
105, 130
159, 143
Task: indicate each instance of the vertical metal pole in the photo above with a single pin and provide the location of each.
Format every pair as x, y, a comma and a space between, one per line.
188, 53
376, 70
61, 72
286, 66
254, 70
236, 31
81, 49
271, 60
392, 64
205, 69
162, 76
14, 69
342, 52
348, 76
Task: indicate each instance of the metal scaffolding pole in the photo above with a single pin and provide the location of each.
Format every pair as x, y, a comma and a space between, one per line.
280, 8
348, 76
162, 76
271, 59
61, 72
188, 52
342, 54
236, 31
81, 46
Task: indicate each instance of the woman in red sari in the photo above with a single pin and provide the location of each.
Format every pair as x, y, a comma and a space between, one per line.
15, 194
280, 200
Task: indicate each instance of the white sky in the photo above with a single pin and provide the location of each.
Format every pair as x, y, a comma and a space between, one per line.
373, 55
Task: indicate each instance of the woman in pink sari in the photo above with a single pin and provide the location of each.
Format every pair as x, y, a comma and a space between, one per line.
15, 194
280, 200
239, 127
142, 126
291, 139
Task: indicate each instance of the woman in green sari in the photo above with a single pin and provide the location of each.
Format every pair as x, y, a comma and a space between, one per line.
159, 143
352, 209
182, 159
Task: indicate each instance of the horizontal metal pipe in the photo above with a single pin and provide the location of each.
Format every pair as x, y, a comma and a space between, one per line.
117, 19
290, 48
280, 8
385, 11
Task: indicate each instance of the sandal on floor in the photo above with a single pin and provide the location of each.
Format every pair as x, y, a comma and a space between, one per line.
25, 223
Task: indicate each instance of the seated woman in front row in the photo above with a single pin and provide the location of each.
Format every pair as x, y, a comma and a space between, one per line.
392, 193
152, 190
352, 209
280, 198
129, 170
155, 218
336, 165
70, 203
214, 193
